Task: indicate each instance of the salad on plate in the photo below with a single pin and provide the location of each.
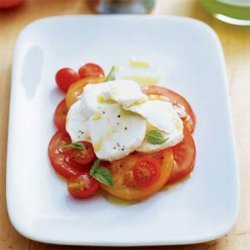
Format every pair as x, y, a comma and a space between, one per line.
119, 136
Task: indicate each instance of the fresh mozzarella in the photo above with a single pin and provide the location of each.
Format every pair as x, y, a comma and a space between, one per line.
114, 116
116, 133
160, 114
126, 92
172, 139
76, 124
94, 96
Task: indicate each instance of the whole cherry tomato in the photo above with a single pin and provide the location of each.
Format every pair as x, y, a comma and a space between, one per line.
65, 77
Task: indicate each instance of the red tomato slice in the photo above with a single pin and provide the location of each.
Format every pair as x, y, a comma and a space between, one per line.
61, 159
184, 158
60, 115
83, 186
85, 156
182, 106
146, 171
65, 77
91, 70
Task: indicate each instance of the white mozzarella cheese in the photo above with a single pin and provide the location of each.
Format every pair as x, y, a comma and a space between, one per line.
94, 96
126, 92
114, 116
160, 114
76, 124
116, 133
172, 139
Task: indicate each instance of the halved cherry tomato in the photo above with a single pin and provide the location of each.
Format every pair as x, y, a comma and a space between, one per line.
126, 186
84, 156
60, 115
180, 103
65, 77
76, 89
91, 70
83, 186
184, 158
62, 159
146, 171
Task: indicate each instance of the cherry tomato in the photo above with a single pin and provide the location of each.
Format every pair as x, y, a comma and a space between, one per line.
62, 159
184, 158
182, 106
85, 156
146, 171
4, 4
76, 89
60, 115
91, 70
128, 187
83, 186
65, 77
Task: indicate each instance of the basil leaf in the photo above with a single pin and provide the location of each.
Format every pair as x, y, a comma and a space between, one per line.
155, 137
111, 74
101, 174
95, 165
76, 145
104, 176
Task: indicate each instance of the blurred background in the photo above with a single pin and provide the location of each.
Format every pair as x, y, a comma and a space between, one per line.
230, 19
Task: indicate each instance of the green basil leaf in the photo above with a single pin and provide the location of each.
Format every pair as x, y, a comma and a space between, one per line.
76, 145
95, 166
104, 176
101, 174
111, 74
155, 137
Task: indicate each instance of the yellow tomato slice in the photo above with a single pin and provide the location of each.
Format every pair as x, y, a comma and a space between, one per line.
125, 187
76, 89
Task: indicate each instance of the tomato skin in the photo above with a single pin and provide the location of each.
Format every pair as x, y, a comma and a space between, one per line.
146, 171
76, 89
62, 160
60, 115
91, 70
85, 156
125, 187
83, 186
5, 4
65, 77
189, 120
184, 158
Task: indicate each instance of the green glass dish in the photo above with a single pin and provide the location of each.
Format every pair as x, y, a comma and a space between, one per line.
230, 11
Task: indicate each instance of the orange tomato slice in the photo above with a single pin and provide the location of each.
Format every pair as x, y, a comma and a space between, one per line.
124, 183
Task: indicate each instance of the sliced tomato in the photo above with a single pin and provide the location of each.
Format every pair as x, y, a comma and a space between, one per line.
76, 89
86, 155
146, 171
181, 105
62, 159
60, 115
83, 186
129, 184
91, 70
184, 158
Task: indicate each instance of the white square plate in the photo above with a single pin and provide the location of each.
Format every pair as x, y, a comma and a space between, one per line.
189, 56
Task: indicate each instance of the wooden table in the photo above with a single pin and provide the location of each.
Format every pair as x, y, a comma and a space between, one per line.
236, 44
